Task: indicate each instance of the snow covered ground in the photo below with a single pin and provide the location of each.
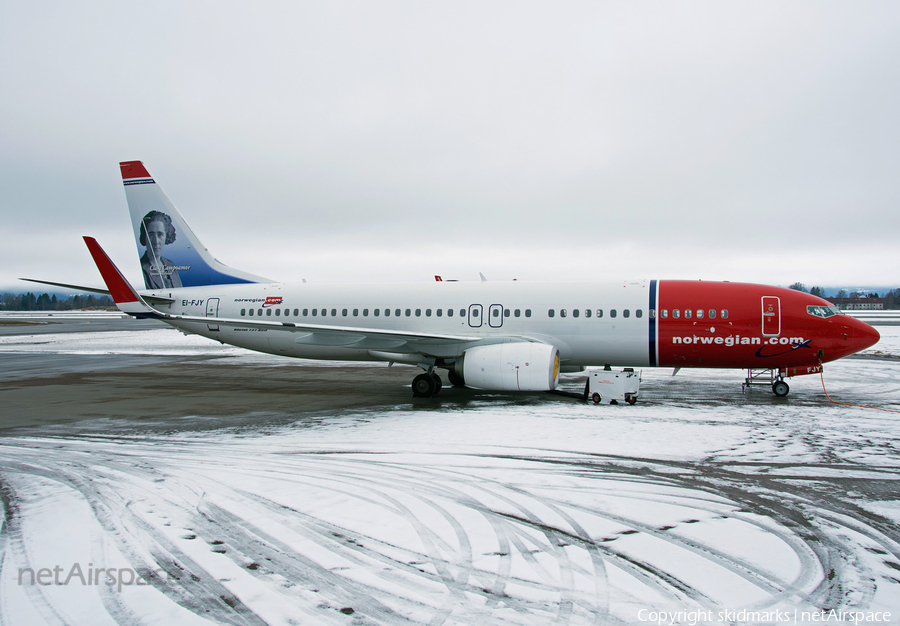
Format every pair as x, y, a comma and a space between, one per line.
533, 511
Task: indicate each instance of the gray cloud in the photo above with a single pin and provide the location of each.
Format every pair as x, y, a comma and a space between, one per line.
396, 140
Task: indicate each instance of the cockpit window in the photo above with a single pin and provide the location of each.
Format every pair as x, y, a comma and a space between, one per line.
823, 311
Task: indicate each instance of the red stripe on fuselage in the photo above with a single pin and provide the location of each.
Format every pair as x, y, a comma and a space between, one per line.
738, 340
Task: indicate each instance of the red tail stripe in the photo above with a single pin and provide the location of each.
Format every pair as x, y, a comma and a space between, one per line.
133, 169
119, 288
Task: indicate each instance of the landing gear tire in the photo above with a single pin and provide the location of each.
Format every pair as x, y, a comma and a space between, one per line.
780, 388
424, 386
439, 384
595, 398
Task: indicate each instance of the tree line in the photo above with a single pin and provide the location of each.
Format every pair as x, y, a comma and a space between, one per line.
46, 302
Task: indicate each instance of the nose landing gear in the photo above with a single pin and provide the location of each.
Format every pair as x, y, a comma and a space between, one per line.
780, 388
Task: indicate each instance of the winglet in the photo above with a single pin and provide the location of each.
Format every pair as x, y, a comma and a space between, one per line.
123, 294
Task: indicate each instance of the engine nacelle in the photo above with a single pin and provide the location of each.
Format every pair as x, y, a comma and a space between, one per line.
511, 367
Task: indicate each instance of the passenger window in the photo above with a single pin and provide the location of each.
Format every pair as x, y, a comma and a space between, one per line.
612, 313
427, 312
505, 312
344, 312
277, 312
699, 314
474, 312
355, 312
639, 313
315, 312
243, 312
626, 313
587, 312
439, 312
376, 312
664, 313
269, 312
305, 312
449, 312
495, 312
676, 313
365, 312
562, 313
324, 312
408, 312
527, 312
418, 312
551, 313
296, 311
387, 312
259, 312
712, 314
397, 313
687, 314
251, 312
333, 312
575, 312
462, 312
599, 312
724, 314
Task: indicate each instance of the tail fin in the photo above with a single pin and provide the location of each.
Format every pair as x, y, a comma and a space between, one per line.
171, 254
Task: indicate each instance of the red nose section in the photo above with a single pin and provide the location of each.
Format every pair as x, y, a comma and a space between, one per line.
864, 336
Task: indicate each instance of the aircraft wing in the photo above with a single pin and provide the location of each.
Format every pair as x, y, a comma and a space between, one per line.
389, 341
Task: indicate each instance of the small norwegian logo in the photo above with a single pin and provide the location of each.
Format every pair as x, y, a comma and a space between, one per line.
272, 301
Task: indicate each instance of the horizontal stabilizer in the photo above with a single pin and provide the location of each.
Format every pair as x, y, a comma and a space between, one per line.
105, 292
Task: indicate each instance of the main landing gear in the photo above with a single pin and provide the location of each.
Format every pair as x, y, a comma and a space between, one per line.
426, 385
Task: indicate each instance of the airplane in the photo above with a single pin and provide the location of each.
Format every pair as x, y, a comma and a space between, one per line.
502, 336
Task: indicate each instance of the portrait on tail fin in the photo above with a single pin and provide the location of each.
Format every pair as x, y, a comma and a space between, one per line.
157, 231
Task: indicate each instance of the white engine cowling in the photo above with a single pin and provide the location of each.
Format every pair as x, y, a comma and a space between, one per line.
511, 367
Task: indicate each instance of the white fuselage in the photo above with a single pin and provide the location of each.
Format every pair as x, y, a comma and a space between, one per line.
591, 324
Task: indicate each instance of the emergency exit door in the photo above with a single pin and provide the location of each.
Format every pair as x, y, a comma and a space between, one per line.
771, 316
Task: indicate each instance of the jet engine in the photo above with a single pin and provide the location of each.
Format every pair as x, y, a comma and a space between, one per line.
510, 367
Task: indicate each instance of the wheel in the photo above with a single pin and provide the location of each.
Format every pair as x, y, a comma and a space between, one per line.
455, 379
424, 386
595, 398
437, 382
780, 388
631, 400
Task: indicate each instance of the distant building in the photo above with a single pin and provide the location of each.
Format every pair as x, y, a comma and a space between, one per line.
858, 304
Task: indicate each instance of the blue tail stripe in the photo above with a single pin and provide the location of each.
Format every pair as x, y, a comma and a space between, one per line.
652, 317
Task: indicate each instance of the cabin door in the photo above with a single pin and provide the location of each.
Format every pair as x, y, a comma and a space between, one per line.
771, 316
212, 310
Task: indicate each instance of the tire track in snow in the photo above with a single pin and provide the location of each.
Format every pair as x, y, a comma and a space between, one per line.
530, 527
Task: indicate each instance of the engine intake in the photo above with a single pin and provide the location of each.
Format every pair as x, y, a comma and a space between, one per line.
510, 367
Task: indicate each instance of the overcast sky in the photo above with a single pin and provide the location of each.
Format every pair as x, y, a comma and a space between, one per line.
392, 141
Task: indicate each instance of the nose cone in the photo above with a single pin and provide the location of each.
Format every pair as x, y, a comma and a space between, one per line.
864, 336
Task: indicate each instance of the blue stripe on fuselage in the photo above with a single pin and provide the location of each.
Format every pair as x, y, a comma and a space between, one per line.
652, 316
